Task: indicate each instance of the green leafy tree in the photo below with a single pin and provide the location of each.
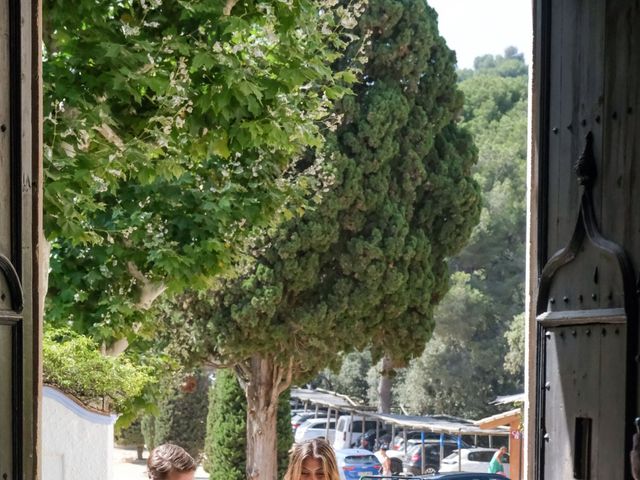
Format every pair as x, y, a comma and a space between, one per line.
477, 349
514, 360
458, 360
148, 427
75, 364
131, 436
351, 379
397, 200
182, 415
170, 127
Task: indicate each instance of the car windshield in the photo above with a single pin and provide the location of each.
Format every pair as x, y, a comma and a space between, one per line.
361, 460
368, 425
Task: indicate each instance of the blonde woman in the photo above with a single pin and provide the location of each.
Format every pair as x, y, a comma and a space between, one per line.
312, 460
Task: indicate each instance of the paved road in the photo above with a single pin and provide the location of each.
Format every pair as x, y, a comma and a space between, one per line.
127, 467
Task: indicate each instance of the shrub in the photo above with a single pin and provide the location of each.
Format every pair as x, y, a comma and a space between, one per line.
285, 434
148, 427
226, 440
182, 415
74, 364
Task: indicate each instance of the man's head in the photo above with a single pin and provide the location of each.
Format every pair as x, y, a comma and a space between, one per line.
170, 462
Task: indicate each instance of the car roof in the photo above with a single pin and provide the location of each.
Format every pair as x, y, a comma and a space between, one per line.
319, 420
467, 475
479, 449
347, 452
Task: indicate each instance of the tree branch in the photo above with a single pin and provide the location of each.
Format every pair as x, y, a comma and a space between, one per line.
149, 291
229, 6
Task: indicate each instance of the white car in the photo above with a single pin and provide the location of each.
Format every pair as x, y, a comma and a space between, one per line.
353, 463
350, 429
316, 428
473, 460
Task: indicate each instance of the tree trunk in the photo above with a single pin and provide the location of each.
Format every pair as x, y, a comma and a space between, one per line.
384, 386
262, 387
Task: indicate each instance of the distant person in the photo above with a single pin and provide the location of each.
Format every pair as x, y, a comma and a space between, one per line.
496, 466
385, 460
312, 460
170, 462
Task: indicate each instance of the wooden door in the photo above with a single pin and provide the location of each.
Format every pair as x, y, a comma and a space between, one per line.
586, 157
20, 221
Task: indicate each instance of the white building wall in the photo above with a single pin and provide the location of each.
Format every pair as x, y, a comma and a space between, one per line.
77, 444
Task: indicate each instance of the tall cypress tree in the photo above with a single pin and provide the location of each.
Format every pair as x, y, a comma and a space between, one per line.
226, 438
367, 265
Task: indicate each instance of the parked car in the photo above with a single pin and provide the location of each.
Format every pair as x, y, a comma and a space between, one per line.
415, 436
473, 460
353, 463
300, 418
316, 428
467, 476
412, 462
349, 430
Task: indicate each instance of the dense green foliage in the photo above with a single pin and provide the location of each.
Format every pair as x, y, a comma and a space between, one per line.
351, 379
148, 428
398, 200
182, 415
169, 130
226, 439
74, 363
284, 432
130, 436
477, 349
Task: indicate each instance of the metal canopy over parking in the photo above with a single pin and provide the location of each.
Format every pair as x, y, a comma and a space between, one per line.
432, 423
436, 424
325, 398
442, 424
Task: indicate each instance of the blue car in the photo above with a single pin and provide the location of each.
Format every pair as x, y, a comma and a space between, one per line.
354, 463
442, 476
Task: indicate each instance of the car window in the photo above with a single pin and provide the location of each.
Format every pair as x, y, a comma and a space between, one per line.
480, 456
341, 423
370, 425
361, 460
323, 425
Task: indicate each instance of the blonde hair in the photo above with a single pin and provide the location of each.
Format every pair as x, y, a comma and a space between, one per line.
316, 448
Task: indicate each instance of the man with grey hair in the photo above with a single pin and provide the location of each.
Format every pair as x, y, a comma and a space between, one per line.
170, 462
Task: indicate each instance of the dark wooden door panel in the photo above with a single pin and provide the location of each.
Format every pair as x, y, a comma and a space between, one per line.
20, 227
586, 142
6, 400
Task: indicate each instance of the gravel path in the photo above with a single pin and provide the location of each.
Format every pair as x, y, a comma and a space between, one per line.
126, 466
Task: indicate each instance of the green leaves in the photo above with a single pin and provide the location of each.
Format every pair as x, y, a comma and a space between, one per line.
74, 364
477, 349
392, 200
168, 130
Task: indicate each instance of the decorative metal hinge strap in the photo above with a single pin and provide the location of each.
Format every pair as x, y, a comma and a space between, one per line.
15, 288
